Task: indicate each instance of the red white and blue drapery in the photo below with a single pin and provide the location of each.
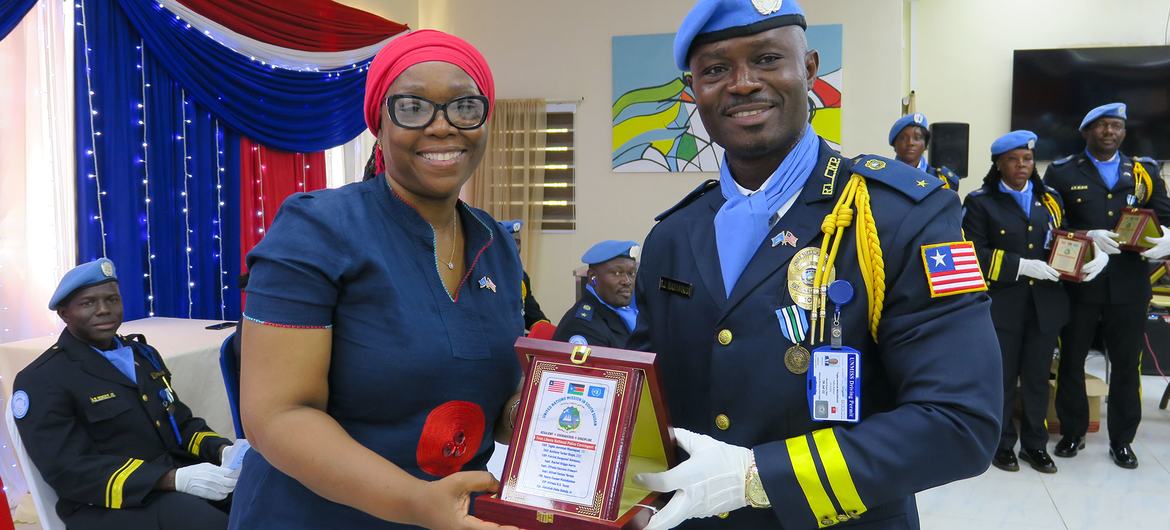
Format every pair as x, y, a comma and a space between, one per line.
195, 119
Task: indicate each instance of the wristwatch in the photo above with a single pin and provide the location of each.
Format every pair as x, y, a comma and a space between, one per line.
754, 488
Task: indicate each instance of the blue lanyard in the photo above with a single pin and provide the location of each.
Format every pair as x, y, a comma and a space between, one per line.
167, 395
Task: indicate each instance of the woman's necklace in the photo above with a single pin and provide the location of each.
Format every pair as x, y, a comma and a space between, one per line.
451, 257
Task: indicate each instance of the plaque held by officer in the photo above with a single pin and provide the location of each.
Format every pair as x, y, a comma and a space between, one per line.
1134, 226
1070, 251
589, 420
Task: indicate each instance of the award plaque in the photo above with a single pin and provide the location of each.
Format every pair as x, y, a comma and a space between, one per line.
589, 420
1070, 251
1134, 226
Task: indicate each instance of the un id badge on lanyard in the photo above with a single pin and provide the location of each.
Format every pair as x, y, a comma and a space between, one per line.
834, 378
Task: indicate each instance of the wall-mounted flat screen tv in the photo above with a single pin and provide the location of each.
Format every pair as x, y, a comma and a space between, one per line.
1053, 89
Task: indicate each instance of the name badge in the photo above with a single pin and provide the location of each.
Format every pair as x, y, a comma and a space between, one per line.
101, 398
834, 384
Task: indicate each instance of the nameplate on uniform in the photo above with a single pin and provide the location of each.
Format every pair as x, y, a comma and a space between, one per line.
1081, 187
103, 397
678, 287
834, 385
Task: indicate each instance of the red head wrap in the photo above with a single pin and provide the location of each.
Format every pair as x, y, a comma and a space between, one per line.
416, 47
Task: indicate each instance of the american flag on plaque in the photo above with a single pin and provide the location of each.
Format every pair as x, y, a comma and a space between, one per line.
952, 268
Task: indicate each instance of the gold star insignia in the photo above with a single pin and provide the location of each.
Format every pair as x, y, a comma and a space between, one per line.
922, 184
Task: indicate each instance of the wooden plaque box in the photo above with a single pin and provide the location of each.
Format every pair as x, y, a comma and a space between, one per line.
1070, 251
1134, 226
585, 410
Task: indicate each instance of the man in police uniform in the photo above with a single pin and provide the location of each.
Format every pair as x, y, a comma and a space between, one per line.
1096, 184
910, 136
532, 312
100, 420
605, 314
730, 297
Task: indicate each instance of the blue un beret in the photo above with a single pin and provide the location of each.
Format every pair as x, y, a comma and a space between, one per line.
714, 20
1020, 139
917, 118
85, 275
610, 249
511, 226
1108, 110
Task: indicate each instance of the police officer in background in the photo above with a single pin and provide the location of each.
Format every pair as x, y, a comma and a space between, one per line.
532, 312
799, 264
910, 136
1011, 220
100, 420
605, 314
1096, 184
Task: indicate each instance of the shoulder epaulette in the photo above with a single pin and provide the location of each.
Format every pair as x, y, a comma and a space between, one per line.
691, 197
978, 192
1146, 159
947, 171
136, 337
1063, 161
585, 312
908, 180
49, 354
1050, 189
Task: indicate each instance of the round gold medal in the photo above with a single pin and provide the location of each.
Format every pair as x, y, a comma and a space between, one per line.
796, 359
801, 271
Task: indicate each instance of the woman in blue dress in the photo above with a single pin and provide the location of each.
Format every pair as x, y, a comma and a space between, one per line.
380, 318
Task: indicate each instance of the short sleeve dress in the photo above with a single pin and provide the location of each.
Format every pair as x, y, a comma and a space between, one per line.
417, 374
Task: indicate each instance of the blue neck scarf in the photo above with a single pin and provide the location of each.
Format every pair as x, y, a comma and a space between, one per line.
1109, 170
122, 357
922, 165
1022, 198
628, 313
743, 221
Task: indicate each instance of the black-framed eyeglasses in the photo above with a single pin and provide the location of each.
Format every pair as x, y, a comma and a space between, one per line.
416, 112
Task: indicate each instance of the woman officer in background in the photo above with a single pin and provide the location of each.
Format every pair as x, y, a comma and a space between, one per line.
380, 319
1011, 219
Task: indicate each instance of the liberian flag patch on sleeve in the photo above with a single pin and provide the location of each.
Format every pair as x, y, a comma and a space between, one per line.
952, 268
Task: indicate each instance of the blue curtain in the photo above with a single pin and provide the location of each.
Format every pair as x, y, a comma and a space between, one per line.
290, 110
11, 13
192, 204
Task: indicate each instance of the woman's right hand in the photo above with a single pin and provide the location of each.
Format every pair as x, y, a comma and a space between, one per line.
443, 504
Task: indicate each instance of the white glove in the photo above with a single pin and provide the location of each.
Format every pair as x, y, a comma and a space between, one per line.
1104, 239
1161, 245
1034, 268
711, 482
1094, 267
231, 456
206, 480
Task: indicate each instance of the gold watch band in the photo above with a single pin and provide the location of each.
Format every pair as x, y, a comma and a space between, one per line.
754, 491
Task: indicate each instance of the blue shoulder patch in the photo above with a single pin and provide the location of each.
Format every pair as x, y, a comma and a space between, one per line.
19, 404
585, 312
691, 197
1063, 161
908, 180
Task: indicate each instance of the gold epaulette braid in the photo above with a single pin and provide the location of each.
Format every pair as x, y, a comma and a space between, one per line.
869, 255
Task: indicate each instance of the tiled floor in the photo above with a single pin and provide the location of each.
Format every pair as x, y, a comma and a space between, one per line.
1089, 491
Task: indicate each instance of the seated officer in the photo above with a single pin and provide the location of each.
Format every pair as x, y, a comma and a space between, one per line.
532, 312
102, 424
605, 314
910, 136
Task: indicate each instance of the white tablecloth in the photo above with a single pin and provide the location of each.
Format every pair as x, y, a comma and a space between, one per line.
190, 351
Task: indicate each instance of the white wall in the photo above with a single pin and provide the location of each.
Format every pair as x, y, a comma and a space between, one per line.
964, 53
560, 50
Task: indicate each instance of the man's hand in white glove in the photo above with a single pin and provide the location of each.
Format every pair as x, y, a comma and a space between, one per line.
1094, 267
1104, 239
1034, 268
711, 482
1161, 245
205, 480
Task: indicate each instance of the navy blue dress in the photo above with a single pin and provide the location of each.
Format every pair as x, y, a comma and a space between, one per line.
417, 375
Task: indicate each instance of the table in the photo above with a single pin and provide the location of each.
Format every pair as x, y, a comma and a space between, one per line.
190, 352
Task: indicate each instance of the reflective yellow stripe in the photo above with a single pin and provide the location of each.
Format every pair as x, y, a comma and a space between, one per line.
838, 472
117, 481
996, 264
810, 483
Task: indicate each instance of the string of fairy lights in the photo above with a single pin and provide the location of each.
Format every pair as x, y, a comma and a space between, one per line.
190, 185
